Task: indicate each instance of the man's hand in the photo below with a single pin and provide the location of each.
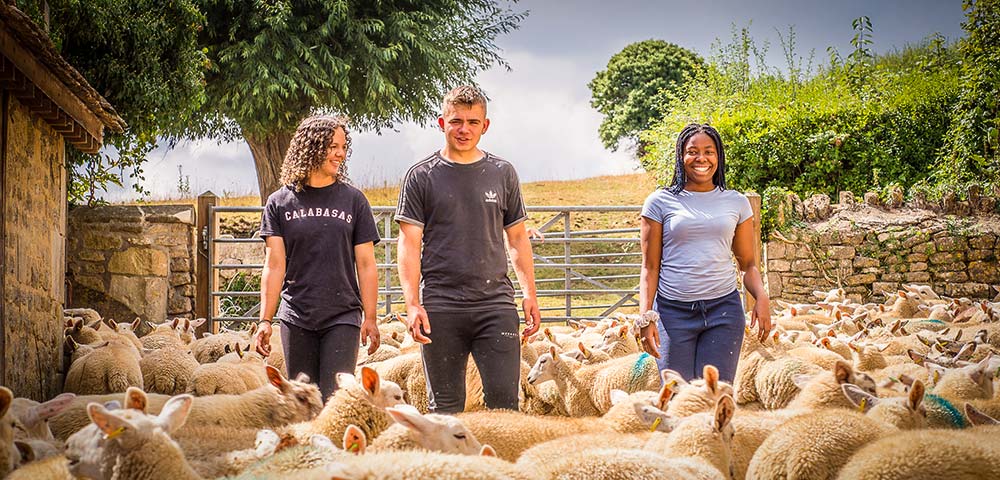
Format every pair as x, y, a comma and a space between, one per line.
370, 335
532, 316
263, 338
650, 340
761, 317
416, 318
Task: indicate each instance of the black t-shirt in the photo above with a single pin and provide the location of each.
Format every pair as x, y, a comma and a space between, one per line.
463, 209
320, 227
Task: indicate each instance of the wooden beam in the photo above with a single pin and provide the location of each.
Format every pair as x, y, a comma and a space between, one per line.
48, 83
4, 114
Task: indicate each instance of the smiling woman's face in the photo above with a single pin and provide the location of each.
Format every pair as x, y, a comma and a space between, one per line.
701, 160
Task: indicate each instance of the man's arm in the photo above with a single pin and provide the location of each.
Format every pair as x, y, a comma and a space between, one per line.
270, 290
519, 247
410, 239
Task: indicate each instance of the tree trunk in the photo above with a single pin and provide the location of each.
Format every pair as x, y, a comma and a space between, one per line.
268, 154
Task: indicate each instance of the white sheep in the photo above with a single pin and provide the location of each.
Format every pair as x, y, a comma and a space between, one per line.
697, 396
167, 370
967, 383
824, 389
33, 416
926, 455
110, 368
705, 437
420, 466
233, 373
431, 432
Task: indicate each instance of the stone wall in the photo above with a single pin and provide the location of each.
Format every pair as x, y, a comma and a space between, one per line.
133, 261
875, 246
34, 219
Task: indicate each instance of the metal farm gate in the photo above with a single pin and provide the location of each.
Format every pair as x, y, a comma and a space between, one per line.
580, 273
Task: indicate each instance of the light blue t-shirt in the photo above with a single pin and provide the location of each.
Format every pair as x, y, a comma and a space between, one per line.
698, 228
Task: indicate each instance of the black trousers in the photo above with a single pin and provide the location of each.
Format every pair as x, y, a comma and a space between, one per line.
321, 354
493, 340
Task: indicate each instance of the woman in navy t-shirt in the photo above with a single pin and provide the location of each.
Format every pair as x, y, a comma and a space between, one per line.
320, 239
689, 233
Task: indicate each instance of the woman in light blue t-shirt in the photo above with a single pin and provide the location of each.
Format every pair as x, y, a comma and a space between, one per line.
690, 231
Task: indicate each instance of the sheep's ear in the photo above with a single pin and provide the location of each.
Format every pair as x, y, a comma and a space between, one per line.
842, 371
977, 417
72, 344
409, 417
711, 375
175, 413
858, 397
623, 331
108, 422
370, 380
49, 409
552, 351
239, 351
487, 451
136, 399
274, 378
825, 342
187, 324
227, 349
669, 375
724, 411
666, 391
110, 323
174, 323
136, 323
916, 395
78, 325
206, 334
253, 328
26, 451
355, 440
618, 396
802, 379
882, 346
583, 349
916, 357
6, 398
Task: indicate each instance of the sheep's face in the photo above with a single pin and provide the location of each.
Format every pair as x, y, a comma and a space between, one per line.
304, 397
543, 369
390, 394
449, 436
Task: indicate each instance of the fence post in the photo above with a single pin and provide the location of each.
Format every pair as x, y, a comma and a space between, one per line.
203, 267
758, 253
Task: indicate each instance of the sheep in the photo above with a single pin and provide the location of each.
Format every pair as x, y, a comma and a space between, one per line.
51, 468
82, 333
775, 381
89, 316
626, 463
281, 402
164, 335
834, 295
296, 459
33, 416
432, 432
168, 370
906, 413
824, 389
140, 447
234, 375
210, 347
111, 368
967, 383
586, 390
698, 396
925, 455
407, 371
821, 357
123, 330
422, 465
619, 342
707, 437
541, 457
362, 404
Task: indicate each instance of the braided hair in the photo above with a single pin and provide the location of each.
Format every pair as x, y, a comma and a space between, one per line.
680, 178
309, 147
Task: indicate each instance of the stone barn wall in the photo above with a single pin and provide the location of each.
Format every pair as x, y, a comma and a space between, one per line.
34, 242
133, 261
873, 247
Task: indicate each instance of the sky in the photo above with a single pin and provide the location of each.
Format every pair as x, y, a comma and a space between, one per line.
541, 119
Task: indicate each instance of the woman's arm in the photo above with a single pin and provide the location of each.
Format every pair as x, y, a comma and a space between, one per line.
743, 249
364, 258
270, 290
651, 242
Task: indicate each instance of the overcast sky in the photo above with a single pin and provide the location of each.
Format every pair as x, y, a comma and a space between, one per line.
540, 110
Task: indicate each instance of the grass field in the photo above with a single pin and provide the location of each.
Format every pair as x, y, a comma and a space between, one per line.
620, 190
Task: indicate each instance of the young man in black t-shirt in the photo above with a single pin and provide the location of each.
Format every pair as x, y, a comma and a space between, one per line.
462, 205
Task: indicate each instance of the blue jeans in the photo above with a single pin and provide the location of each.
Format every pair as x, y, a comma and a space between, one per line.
699, 333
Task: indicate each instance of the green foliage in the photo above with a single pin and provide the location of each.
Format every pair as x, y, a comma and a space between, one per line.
143, 57
638, 86
272, 63
857, 124
971, 153
771, 203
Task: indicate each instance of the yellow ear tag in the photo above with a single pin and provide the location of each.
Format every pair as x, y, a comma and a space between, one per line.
747, 328
671, 384
864, 403
656, 423
354, 447
114, 433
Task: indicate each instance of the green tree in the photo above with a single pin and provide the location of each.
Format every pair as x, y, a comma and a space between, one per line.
140, 55
637, 88
971, 153
273, 63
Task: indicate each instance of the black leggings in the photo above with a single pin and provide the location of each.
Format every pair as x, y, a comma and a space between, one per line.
493, 340
321, 354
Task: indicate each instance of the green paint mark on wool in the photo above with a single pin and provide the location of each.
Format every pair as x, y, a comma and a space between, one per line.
638, 369
939, 407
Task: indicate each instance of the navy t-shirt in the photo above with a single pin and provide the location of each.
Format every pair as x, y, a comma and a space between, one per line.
463, 209
320, 227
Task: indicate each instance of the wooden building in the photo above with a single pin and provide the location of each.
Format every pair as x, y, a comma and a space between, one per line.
46, 106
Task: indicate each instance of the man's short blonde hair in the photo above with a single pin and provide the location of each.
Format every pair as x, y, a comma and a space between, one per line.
466, 95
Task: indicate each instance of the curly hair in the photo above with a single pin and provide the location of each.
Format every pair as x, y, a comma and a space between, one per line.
309, 148
692, 129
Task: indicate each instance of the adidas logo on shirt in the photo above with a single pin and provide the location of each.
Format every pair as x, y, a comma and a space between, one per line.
491, 197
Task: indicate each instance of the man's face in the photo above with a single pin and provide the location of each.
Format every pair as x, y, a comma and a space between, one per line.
463, 125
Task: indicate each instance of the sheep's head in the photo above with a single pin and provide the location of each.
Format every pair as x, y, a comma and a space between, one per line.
545, 367
437, 433
707, 435
303, 398
135, 431
907, 413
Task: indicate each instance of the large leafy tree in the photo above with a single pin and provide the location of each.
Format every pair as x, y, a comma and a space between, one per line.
380, 62
637, 88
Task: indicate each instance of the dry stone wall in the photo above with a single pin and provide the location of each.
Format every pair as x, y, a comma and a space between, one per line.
875, 246
133, 261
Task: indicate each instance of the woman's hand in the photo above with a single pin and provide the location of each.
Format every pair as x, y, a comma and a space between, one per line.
263, 338
761, 318
370, 335
650, 340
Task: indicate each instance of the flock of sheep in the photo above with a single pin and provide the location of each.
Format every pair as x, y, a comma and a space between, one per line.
900, 390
